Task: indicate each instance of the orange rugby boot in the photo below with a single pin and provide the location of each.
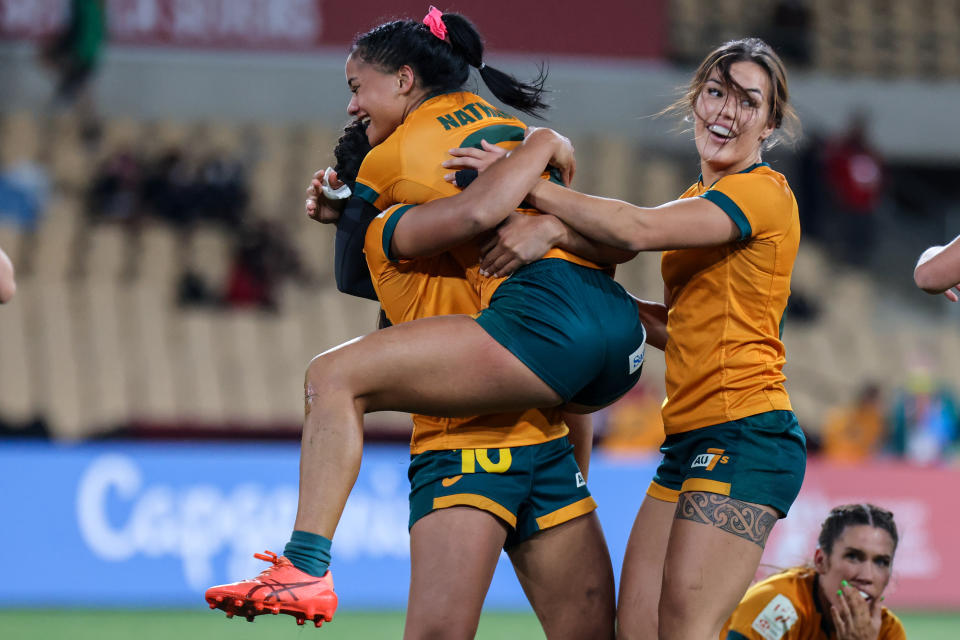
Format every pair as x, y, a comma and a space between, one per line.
280, 588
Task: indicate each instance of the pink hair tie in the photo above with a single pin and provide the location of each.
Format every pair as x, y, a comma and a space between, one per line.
434, 20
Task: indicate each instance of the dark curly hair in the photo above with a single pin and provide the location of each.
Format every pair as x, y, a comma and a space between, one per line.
351, 149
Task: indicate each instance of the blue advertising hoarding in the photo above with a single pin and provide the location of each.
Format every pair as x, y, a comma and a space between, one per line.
133, 524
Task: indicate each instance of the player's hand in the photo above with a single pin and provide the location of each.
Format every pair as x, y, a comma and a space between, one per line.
471, 158
563, 157
951, 294
855, 618
318, 207
519, 240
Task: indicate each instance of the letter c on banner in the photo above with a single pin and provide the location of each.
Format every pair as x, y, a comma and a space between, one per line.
120, 474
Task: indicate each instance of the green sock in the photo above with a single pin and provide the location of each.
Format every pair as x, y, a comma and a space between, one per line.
308, 552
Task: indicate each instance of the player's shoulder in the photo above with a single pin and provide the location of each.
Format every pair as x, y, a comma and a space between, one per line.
774, 606
891, 628
794, 580
758, 178
384, 154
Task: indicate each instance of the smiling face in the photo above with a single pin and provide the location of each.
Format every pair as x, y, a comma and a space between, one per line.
729, 127
381, 98
863, 556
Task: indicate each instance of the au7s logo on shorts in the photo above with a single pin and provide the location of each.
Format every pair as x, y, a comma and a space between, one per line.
710, 459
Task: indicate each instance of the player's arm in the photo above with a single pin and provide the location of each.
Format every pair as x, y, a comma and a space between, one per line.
442, 224
350, 265
521, 239
578, 244
581, 437
938, 269
680, 224
352, 216
8, 286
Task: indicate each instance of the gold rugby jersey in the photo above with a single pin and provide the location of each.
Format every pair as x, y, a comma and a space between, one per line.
406, 167
724, 356
783, 607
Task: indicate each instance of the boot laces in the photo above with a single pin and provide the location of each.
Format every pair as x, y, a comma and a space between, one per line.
268, 556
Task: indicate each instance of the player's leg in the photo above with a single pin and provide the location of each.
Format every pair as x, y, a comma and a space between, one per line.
453, 554
436, 366
727, 507
567, 575
714, 550
642, 573
439, 366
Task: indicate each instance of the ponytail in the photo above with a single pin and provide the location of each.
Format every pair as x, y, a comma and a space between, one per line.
523, 96
442, 64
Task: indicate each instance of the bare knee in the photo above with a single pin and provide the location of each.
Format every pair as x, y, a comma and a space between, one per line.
588, 614
327, 383
319, 372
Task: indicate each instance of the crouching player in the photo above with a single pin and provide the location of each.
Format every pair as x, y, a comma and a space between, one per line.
839, 597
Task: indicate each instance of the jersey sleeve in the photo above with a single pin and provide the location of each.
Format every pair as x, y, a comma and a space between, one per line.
378, 174
759, 204
380, 235
763, 614
349, 267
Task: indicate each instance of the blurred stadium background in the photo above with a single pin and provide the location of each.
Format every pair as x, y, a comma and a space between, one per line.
171, 291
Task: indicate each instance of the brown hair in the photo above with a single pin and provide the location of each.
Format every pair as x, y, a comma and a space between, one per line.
746, 50
855, 514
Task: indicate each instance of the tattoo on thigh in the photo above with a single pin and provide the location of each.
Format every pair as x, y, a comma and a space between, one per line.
742, 519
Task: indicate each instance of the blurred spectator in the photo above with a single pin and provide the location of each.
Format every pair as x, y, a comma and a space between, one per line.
115, 188
809, 191
801, 307
113, 197
182, 191
263, 258
924, 419
856, 432
855, 177
789, 31
221, 190
938, 270
633, 423
73, 54
168, 189
193, 291
24, 189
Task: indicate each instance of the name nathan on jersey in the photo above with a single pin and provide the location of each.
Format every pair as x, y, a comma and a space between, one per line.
478, 111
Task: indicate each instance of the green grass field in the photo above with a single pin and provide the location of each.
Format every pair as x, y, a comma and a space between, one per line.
366, 625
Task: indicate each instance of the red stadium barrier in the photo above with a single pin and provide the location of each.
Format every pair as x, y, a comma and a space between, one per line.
609, 28
923, 501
